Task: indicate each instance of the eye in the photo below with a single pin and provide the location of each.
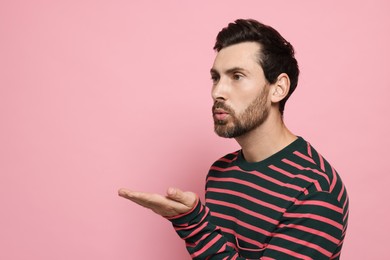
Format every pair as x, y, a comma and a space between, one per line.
237, 76
214, 78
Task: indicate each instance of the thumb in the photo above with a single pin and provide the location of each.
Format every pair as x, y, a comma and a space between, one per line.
186, 198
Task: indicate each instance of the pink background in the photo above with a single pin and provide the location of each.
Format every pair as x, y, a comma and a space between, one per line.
98, 95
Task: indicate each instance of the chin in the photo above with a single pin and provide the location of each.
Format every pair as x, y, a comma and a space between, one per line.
222, 131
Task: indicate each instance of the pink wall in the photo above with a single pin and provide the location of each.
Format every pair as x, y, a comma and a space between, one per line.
96, 95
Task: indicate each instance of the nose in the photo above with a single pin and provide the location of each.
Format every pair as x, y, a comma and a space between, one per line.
219, 90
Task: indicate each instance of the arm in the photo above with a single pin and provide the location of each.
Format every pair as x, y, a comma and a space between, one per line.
189, 217
312, 228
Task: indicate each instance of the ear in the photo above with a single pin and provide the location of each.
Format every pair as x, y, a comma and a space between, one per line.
280, 88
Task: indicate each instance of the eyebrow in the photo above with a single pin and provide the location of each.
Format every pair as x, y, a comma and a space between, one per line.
228, 71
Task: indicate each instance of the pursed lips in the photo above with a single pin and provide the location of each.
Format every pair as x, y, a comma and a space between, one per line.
220, 114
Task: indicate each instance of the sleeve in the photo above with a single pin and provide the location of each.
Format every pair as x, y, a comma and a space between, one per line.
203, 239
311, 228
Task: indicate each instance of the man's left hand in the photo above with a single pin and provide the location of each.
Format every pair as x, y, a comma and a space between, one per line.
176, 202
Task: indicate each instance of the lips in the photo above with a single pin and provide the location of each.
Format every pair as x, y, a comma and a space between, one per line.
220, 114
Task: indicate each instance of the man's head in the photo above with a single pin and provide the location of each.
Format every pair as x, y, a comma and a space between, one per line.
276, 55
253, 59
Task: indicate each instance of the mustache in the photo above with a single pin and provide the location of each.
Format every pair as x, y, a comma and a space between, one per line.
222, 105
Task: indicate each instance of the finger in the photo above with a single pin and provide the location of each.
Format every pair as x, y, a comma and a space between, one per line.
140, 198
136, 196
175, 194
161, 205
126, 193
147, 200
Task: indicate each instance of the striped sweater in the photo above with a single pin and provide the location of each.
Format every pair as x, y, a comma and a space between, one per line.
292, 205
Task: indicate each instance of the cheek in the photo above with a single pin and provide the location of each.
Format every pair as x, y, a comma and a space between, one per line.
243, 96
240, 107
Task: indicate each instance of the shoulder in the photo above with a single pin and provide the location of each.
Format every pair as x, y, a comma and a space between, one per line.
306, 162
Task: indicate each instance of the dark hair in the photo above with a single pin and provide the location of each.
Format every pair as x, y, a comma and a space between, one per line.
276, 54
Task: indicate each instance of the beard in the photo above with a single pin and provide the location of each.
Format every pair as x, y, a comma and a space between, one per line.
236, 125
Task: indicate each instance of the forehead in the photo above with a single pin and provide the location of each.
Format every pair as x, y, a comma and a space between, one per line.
243, 55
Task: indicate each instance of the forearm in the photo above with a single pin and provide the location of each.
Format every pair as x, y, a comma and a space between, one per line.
204, 240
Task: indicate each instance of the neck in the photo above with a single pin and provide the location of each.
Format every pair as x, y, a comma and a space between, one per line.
265, 140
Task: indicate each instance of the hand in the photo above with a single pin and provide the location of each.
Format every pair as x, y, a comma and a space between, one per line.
176, 202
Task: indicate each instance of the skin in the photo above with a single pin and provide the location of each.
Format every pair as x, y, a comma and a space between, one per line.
238, 83
235, 82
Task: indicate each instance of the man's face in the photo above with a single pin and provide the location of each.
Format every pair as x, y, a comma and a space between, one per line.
240, 90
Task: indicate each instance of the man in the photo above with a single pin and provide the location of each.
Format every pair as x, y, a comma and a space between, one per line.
277, 197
